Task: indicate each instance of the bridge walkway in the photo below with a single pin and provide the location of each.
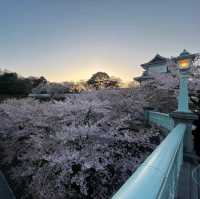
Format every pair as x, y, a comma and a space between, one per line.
189, 181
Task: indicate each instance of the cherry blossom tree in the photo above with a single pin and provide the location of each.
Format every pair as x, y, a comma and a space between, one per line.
85, 146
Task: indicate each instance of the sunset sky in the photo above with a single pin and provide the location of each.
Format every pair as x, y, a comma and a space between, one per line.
72, 39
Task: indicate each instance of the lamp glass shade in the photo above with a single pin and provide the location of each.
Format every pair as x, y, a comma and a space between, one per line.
184, 64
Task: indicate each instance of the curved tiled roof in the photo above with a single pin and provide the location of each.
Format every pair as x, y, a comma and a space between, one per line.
156, 60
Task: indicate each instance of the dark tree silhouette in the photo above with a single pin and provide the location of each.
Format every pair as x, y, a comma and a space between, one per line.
37, 81
13, 85
103, 80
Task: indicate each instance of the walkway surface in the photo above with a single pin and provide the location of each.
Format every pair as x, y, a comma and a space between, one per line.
189, 184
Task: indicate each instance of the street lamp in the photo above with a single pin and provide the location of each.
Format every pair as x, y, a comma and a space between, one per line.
183, 114
184, 61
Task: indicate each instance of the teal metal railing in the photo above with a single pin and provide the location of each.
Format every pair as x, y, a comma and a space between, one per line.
161, 119
157, 177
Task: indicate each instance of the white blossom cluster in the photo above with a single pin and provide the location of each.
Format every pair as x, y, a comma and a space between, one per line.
84, 147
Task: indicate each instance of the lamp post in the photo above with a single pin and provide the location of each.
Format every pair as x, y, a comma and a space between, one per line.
184, 61
183, 114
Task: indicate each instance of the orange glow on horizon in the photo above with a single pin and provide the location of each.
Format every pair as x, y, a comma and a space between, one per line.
87, 73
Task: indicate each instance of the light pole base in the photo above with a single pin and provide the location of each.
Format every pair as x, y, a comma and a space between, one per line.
188, 144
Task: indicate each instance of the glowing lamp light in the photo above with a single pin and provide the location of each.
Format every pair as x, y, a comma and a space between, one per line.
184, 64
184, 60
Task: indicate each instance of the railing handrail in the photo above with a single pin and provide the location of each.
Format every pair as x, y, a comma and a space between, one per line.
157, 177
